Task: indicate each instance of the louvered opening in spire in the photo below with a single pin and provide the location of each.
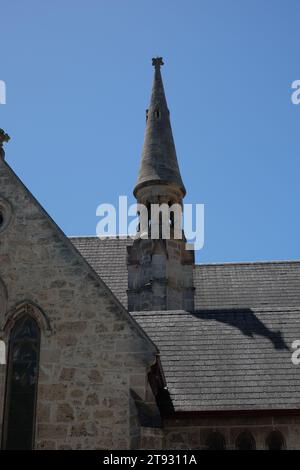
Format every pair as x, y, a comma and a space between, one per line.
159, 163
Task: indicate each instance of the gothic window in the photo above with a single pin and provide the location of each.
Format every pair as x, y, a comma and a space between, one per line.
215, 441
245, 441
275, 441
21, 384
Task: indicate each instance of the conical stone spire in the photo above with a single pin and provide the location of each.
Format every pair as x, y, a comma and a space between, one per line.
160, 268
159, 163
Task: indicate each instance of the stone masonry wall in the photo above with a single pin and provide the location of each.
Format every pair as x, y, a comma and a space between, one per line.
92, 352
160, 275
188, 434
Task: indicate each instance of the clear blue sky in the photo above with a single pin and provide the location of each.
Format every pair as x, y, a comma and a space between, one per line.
78, 75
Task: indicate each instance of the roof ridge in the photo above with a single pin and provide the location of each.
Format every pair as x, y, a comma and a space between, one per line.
273, 309
222, 263
110, 237
233, 263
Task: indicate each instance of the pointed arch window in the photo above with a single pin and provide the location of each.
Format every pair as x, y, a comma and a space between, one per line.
275, 441
245, 441
21, 384
215, 441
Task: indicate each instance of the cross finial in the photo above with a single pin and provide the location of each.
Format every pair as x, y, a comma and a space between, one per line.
157, 62
3, 138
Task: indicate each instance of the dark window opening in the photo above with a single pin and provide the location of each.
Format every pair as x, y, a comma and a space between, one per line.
245, 441
1, 219
171, 215
172, 219
275, 441
157, 114
160, 225
149, 215
21, 385
138, 227
215, 441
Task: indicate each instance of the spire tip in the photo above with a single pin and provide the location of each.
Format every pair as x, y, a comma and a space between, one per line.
157, 62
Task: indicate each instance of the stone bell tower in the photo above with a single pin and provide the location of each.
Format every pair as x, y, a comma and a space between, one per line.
160, 269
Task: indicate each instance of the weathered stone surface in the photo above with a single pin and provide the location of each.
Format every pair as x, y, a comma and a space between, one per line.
83, 379
46, 445
159, 277
100, 414
64, 413
43, 411
193, 434
67, 374
52, 431
92, 399
52, 392
95, 376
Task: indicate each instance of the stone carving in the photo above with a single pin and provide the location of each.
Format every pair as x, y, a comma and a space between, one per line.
3, 138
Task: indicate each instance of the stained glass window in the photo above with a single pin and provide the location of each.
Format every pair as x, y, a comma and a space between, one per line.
21, 388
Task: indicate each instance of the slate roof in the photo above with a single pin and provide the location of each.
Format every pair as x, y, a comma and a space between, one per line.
234, 352
108, 258
227, 360
221, 285
239, 285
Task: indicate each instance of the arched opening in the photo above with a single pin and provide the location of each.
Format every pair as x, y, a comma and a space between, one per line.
21, 384
275, 441
245, 441
215, 441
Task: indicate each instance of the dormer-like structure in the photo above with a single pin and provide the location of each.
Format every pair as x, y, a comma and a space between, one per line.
160, 269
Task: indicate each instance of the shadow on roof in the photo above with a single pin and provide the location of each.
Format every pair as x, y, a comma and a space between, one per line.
246, 321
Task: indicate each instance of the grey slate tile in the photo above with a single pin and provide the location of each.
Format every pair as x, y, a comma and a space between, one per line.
234, 351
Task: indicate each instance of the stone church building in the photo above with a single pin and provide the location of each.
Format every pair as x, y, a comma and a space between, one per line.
128, 344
